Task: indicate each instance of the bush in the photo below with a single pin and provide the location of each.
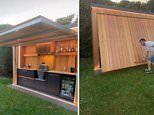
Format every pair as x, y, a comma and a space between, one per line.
6, 61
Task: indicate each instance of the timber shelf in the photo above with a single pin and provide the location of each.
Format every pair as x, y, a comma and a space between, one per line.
67, 54
30, 55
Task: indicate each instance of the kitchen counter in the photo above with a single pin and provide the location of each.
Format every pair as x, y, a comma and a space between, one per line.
52, 83
60, 72
52, 71
28, 68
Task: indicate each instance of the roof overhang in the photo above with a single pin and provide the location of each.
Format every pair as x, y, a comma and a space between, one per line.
38, 29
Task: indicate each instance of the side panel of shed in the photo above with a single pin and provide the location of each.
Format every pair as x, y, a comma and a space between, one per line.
95, 42
118, 38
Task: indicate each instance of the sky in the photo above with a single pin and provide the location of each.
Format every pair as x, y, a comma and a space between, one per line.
16, 11
130, 0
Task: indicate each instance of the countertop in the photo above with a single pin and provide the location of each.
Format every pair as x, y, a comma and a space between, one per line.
52, 71
28, 68
61, 72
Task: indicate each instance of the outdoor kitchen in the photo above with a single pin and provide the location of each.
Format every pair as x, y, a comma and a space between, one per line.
49, 67
45, 59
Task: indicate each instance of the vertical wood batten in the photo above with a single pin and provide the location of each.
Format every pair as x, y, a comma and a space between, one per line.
95, 43
14, 65
76, 93
19, 58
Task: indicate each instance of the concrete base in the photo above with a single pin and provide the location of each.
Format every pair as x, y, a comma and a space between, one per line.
52, 99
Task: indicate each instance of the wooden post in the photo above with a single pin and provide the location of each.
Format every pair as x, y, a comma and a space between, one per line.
14, 65
76, 93
19, 58
95, 41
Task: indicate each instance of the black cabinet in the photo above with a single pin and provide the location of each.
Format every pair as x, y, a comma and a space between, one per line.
60, 85
40, 85
33, 84
53, 84
25, 82
27, 73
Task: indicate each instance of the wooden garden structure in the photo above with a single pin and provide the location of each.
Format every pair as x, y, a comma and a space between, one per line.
116, 33
41, 40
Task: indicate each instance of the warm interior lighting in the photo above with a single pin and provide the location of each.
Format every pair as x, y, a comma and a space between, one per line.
57, 55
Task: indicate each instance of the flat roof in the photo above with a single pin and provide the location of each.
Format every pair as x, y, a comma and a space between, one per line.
38, 26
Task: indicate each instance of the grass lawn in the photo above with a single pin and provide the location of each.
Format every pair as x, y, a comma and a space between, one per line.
124, 92
13, 102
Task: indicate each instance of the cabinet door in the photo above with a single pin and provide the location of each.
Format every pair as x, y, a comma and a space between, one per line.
40, 85
25, 82
68, 87
53, 84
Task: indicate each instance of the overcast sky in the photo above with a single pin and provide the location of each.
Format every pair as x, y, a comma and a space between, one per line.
16, 11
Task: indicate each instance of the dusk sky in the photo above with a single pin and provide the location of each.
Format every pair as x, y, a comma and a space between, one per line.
16, 11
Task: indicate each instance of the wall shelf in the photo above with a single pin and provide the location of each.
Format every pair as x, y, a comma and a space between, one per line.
67, 54
30, 55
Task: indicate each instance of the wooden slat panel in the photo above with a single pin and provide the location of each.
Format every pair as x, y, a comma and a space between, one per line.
95, 41
65, 62
103, 41
30, 49
48, 60
122, 13
118, 38
128, 41
136, 34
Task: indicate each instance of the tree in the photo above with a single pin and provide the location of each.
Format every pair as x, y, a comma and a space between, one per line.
85, 25
4, 26
65, 20
85, 29
5, 56
104, 2
6, 61
138, 6
150, 5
